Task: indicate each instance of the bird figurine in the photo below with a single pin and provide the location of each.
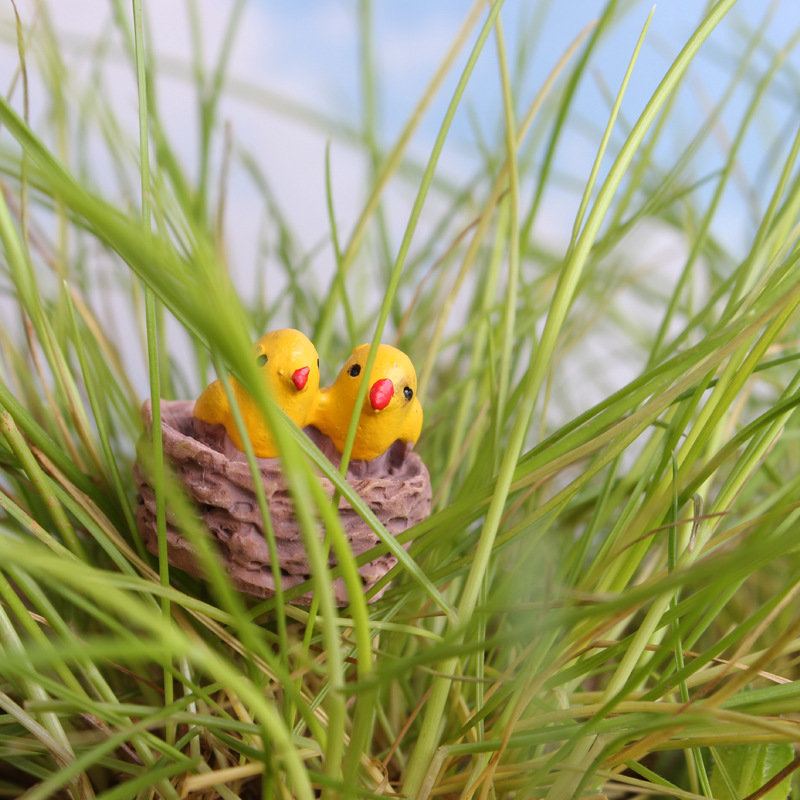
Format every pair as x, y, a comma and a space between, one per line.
391, 409
289, 365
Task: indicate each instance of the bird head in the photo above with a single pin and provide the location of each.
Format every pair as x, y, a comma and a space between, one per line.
392, 381
289, 362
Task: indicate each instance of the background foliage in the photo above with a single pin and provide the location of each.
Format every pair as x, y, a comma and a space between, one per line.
603, 599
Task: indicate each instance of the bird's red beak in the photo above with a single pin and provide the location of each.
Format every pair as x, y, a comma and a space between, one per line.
300, 377
381, 393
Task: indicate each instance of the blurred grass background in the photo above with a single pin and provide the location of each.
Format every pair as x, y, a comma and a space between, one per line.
583, 229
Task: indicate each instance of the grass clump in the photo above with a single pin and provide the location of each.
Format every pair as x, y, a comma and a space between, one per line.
602, 601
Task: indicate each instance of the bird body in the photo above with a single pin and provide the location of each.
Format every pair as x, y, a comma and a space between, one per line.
391, 409
290, 367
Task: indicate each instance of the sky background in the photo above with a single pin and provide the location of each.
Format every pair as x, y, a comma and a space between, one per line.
307, 51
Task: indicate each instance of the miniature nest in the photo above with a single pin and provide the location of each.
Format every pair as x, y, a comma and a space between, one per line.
217, 477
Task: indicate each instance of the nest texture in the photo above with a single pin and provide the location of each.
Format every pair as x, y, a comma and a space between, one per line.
216, 476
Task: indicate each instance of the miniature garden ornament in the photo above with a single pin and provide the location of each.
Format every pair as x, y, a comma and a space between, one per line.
289, 365
204, 449
391, 409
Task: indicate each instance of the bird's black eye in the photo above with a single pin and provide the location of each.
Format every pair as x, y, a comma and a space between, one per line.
262, 359
354, 371
408, 392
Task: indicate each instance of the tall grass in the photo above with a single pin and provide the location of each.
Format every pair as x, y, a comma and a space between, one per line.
602, 602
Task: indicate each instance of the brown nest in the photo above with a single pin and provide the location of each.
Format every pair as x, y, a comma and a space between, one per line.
216, 476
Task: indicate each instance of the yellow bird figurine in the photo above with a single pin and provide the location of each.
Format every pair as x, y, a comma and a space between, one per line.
290, 366
391, 409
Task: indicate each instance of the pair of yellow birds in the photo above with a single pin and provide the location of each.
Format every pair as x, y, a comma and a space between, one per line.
290, 365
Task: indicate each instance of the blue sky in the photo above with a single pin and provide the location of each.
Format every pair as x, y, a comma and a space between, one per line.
316, 50
320, 37
318, 47
308, 50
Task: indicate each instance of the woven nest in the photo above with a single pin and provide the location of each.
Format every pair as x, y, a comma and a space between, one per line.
216, 476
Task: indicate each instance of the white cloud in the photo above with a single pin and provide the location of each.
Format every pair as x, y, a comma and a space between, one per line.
290, 153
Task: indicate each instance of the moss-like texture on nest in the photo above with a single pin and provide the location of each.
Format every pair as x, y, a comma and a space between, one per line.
217, 478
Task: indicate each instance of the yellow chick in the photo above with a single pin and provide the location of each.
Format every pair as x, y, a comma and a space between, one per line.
391, 409
290, 367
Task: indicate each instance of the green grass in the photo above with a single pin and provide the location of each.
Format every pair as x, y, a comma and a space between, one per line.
600, 604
